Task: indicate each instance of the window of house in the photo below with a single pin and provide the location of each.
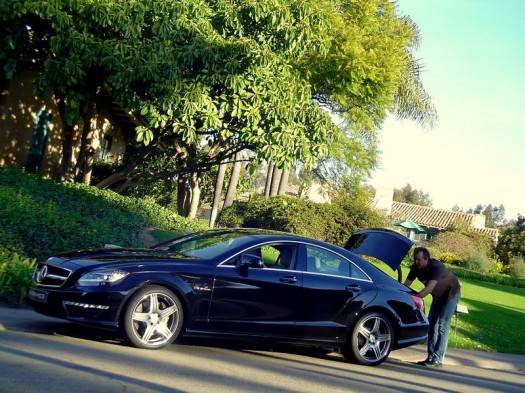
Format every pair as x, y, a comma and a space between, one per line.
106, 146
38, 142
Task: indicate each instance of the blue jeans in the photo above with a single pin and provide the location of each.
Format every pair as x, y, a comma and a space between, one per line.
440, 318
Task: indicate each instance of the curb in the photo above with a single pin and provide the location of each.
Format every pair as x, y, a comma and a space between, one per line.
466, 358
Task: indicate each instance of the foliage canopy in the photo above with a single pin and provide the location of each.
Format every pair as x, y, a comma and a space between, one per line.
210, 78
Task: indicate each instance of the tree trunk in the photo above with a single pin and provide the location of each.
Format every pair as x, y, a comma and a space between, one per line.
283, 184
67, 153
181, 195
276, 179
112, 179
268, 183
234, 180
88, 169
85, 157
219, 181
195, 196
67, 138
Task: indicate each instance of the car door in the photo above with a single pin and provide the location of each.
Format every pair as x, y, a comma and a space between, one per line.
258, 300
334, 289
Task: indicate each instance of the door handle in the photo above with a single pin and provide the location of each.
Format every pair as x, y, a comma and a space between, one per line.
353, 288
288, 279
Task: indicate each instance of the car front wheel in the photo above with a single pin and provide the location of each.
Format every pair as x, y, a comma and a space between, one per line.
371, 340
153, 318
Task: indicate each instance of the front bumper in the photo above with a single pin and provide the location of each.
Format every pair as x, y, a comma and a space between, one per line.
94, 307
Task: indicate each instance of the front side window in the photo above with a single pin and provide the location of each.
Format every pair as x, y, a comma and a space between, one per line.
274, 256
319, 260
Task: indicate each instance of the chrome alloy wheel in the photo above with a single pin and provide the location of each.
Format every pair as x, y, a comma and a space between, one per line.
153, 318
371, 340
374, 338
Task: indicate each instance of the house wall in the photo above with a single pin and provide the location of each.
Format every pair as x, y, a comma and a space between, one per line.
19, 110
383, 200
478, 221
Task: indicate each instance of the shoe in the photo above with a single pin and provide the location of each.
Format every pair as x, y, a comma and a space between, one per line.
423, 362
432, 363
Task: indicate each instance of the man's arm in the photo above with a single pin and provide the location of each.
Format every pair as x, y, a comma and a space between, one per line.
408, 282
428, 289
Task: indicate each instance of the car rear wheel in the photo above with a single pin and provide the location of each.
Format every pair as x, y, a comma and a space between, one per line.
153, 318
371, 340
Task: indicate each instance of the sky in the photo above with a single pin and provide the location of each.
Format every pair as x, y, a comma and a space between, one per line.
473, 54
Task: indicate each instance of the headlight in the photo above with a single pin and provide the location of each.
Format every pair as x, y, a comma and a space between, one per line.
101, 277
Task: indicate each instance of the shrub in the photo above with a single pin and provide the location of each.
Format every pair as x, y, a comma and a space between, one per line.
233, 216
15, 276
332, 222
456, 243
496, 266
516, 267
346, 215
478, 262
450, 258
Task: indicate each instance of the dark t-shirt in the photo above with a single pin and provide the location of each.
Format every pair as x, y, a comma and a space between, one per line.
447, 283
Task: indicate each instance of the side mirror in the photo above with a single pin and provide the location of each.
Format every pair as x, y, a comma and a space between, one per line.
250, 261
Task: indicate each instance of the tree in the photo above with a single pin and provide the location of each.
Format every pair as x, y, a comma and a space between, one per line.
489, 221
511, 242
412, 196
494, 215
498, 215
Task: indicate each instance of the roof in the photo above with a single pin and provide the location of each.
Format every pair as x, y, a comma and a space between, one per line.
438, 218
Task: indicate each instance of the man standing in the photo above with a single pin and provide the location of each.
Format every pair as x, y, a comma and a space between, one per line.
444, 287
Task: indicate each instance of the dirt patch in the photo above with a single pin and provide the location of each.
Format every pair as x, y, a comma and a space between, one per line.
146, 237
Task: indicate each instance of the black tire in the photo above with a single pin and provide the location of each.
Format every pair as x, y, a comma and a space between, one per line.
153, 318
371, 340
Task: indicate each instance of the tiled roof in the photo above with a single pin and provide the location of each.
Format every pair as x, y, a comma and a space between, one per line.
492, 232
437, 218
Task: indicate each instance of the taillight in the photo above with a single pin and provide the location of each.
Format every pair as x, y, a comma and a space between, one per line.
419, 302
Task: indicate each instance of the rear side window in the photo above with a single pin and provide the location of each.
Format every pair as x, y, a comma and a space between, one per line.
319, 260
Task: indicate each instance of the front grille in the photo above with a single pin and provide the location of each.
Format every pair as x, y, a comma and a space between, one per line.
50, 276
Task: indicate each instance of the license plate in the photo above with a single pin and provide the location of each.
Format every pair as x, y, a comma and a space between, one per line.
38, 295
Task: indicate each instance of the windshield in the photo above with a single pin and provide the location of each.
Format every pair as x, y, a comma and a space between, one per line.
203, 245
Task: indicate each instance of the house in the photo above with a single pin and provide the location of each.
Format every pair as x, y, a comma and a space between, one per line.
438, 220
31, 129
431, 220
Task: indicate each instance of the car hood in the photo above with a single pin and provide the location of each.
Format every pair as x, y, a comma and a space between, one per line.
101, 256
383, 244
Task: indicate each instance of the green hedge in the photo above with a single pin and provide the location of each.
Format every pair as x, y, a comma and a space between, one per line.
39, 218
495, 278
332, 222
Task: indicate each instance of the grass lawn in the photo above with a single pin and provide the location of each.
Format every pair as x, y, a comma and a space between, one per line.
496, 319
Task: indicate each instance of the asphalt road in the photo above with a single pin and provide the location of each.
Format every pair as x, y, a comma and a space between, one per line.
41, 354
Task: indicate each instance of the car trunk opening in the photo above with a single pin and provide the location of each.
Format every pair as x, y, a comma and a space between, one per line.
383, 244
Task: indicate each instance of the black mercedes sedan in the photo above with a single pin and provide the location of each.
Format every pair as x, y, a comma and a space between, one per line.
241, 283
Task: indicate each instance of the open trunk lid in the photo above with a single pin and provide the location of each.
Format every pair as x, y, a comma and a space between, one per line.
383, 244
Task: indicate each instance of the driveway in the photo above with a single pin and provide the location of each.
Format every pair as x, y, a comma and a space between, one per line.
39, 354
